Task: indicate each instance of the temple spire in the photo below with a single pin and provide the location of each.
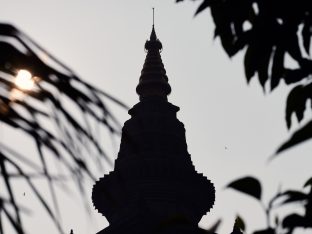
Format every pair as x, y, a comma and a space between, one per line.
153, 36
153, 80
154, 179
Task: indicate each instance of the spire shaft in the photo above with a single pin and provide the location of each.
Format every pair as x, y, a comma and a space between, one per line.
153, 15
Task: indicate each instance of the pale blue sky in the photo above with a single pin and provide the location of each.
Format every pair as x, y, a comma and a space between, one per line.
103, 42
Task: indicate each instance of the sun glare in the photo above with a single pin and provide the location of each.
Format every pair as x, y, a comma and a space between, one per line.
24, 80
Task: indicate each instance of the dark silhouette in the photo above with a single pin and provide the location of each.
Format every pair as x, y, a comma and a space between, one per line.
287, 223
239, 226
34, 107
267, 31
154, 187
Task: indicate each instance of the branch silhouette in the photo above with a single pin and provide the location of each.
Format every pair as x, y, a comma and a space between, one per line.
268, 31
286, 223
57, 94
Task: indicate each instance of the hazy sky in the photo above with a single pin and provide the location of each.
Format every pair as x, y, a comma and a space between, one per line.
232, 128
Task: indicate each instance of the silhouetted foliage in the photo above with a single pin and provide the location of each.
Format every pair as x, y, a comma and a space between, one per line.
268, 31
275, 37
289, 222
293, 221
239, 225
57, 93
248, 185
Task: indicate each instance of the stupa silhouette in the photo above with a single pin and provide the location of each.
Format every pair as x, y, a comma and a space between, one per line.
154, 187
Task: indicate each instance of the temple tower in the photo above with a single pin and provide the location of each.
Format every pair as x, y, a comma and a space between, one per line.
154, 187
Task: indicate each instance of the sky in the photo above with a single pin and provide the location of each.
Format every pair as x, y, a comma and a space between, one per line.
232, 127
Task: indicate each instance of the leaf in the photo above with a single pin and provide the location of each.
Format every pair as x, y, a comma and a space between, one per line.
293, 48
306, 35
293, 196
308, 183
242, 41
295, 75
276, 221
263, 61
301, 135
258, 54
247, 185
293, 220
239, 224
296, 102
205, 4
277, 67
72, 142
20, 157
220, 15
48, 177
16, 225
38, 195
250, 62
9, 188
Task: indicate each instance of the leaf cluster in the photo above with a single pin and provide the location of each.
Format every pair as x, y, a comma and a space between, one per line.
275, 37
252, 187
58, 95
267, 32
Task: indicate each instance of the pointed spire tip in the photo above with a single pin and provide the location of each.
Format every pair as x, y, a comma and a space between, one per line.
153, 79
153, 16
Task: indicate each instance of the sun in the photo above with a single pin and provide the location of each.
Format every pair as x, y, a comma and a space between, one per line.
24, 80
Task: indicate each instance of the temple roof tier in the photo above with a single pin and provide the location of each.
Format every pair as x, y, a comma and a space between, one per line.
153, 80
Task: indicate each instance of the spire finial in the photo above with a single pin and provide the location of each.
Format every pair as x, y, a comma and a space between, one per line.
153, 15
153, 79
